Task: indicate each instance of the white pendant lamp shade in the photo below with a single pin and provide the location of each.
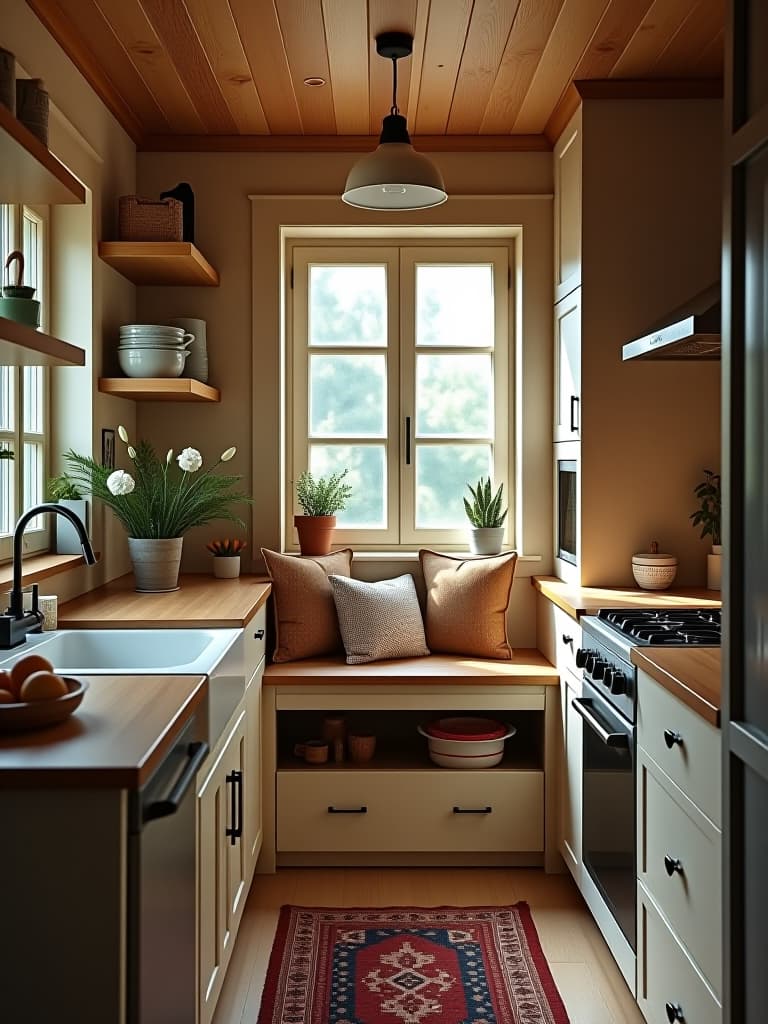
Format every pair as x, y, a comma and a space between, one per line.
394, 176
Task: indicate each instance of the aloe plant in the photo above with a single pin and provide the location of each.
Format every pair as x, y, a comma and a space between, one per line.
485, 510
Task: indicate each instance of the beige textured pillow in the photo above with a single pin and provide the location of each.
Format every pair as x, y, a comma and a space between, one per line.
379, 620
467, 601
306, 625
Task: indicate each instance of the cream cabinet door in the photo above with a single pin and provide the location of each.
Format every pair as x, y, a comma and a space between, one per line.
570, 776
567, 425
567, 164
252, 802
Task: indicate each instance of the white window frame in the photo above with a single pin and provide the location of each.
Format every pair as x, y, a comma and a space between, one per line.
400, 258
37, 534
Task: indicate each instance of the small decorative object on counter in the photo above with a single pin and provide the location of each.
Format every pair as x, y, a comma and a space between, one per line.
32, 106
17, 302
226, 557
8, 79
487, 516
183, 192
149, 220
65, 492
48, 605
160, 504
319, 498
652, 570
707, 516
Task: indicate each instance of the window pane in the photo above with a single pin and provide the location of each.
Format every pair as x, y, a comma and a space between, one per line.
442, 474
31, 248
347, 396
348, 305
33, 400
7, 394
33, 480
454, 305
7, 500
366, 508
454, 396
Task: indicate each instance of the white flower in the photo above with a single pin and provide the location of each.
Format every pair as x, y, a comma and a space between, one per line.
169, 456
120, 482
122, 433
228, 454
190, 460
131, 452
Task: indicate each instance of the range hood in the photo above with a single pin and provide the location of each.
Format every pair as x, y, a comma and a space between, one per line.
690, 332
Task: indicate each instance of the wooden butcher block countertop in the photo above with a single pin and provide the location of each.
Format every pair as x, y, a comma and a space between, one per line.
579, 601
115, 739
692, 674
201, 601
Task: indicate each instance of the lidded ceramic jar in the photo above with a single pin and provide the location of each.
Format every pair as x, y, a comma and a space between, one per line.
654, 570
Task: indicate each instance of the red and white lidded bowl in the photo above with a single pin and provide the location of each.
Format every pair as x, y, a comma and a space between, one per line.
466, 742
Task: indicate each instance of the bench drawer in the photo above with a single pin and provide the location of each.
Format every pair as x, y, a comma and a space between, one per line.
567, 642
675, 837
666, 976
254, 641
410, 811
693, 759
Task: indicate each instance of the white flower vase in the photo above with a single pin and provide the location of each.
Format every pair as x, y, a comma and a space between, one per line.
226, 567
486, 540
715, 567
155, 563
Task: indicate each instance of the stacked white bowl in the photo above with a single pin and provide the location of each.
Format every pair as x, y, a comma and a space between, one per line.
153, 350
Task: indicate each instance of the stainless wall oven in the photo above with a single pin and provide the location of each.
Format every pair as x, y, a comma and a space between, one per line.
567, 510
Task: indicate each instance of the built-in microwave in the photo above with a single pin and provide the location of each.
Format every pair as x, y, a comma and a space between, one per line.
567, 500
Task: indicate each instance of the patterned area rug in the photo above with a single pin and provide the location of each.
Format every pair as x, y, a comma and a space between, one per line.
406, 965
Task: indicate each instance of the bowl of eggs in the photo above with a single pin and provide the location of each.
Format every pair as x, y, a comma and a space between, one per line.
33, 696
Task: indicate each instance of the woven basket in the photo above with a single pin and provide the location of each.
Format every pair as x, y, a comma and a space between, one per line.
149, 220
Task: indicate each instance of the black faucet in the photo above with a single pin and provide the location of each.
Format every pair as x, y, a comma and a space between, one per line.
15, 623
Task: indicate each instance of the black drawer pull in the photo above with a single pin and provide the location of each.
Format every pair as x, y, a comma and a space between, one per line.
672, 865
674, 1012
472, 810
347, 810
567, 639
235, 780
259, 634
671, 738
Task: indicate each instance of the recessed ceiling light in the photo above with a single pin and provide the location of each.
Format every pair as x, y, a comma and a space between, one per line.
314, 82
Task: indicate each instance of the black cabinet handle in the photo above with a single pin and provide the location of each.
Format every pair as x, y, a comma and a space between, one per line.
671, 738
672, 865
567, 639
235, 779
407, 440
196, 753
473, 810
674, 1012
348, 810
259, 634
574, 408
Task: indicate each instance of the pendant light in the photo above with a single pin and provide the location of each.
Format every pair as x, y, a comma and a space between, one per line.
394, 176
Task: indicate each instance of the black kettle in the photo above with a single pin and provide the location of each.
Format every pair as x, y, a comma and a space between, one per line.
183, 192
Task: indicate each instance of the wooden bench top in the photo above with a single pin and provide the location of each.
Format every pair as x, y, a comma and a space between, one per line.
527, 667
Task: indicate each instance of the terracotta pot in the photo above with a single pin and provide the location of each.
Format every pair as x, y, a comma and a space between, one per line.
155, 563
315, 533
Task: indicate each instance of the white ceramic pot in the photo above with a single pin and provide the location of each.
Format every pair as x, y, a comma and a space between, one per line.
486, 540
469, 751
226, 567
715, 567
151, 362
652, 571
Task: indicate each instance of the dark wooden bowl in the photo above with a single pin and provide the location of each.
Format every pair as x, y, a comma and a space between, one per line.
38, 714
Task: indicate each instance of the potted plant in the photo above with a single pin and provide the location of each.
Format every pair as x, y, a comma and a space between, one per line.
65, 491
159, 503
226, 557
707, 515
320, 498
487, 516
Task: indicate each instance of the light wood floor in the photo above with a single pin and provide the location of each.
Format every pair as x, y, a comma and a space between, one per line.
590, 984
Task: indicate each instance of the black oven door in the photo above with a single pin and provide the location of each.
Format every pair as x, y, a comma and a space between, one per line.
608, 827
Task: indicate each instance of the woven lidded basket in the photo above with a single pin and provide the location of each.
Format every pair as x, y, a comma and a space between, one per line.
149, 220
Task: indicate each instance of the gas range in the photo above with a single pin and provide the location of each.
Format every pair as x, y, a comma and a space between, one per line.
609, 636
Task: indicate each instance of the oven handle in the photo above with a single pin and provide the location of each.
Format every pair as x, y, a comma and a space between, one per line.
610, 739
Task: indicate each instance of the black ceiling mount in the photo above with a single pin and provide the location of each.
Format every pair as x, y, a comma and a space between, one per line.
394, 45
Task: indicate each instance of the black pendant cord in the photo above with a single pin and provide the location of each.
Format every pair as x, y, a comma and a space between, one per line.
393, 109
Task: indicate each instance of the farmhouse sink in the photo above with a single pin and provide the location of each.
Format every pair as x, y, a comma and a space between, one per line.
129, 651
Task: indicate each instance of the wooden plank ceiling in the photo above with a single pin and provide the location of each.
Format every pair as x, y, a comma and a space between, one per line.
232, 73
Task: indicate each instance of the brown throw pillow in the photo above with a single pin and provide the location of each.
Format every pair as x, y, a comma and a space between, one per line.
306, 625
467, 601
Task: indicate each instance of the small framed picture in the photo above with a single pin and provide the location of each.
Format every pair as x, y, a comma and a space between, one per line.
108, 448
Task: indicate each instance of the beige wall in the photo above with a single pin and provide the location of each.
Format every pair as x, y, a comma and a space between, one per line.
651, 197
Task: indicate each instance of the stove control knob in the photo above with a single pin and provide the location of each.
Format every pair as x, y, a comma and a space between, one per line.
608, 677
590, 663
618, 683
599, 670
581, 657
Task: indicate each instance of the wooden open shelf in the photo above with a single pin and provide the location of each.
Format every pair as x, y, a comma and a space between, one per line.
24, 346
176, 263
29, 172
159, 389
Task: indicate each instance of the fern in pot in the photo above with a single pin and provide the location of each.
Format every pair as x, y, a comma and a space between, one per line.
486, 514
319, 498
64, 491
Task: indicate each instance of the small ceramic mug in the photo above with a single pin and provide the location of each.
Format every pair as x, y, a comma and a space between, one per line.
361, 748
313, 751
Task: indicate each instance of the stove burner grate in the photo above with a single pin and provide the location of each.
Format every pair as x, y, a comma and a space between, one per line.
666, 627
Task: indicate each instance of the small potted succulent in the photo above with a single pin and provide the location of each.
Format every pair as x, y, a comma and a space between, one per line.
226, 557
319, 498
63, 490
707, 516
487, 516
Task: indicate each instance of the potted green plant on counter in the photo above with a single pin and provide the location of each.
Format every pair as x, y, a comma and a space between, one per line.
487, 516
226, 557
319, 498
64, 491
707, 516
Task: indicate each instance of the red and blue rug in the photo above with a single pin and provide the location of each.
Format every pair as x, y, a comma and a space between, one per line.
409, 965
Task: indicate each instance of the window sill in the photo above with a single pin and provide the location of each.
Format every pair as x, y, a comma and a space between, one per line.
40, 567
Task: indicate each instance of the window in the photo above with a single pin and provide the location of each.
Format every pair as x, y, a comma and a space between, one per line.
24, 391
399, 371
